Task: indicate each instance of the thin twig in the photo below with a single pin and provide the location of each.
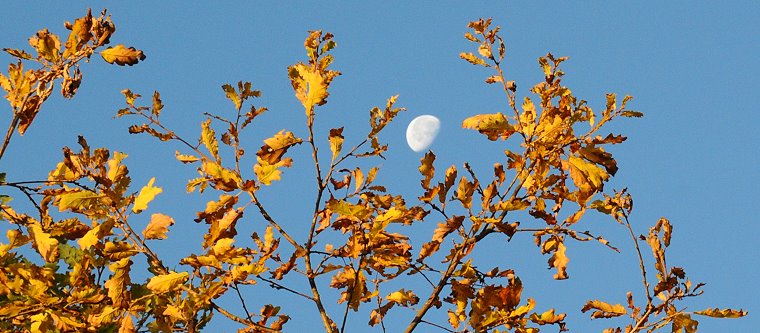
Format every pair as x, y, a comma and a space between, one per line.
278, 286
242, 301
438, 326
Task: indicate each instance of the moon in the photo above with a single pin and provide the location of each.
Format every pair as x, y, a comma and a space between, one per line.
422, 131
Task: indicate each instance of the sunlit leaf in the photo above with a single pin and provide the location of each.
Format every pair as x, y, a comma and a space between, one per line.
682, 323
146, 195
158, 226
494, 126
336, 141
427, 169
122, 55
403, 297
473, 59
167, 282
722, 313
603, 310
46, 245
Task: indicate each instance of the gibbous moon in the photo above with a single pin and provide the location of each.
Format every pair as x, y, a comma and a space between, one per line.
422, 131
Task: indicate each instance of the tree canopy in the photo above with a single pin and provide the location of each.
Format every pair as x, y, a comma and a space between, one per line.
82, 252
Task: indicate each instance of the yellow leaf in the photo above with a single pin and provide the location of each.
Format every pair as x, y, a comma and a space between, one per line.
186, 158
512, 204
494, 126
79, 36
42, 323
158, 226
222, 178
47, 246
473, 59
167, 282
47, 45
77, 200
547, 318
724, 313
232, 95
603, 310
208, 136
118, 250
403, 297
336, 141
559, 261
485, 51
115, 169
358, 178
146, 195
267, 173
309, 85
346, 209
127, 324
427, 169
275, 147
118, 283
122, 55
89, 239
588, 177
465, 191
682, 323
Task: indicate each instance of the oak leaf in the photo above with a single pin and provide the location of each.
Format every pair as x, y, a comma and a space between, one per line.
167, 282
494, 126
603, 310
336, 141
146, 195
158, 226
122, 55
722, 313
46, 245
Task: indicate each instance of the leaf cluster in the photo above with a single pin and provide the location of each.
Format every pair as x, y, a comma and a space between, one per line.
71, 264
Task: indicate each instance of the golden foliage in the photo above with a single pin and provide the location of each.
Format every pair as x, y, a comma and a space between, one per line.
359, 236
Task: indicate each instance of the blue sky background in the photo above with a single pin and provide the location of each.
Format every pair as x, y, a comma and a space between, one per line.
694, 157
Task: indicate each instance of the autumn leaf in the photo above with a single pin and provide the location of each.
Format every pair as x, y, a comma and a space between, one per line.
473, 59
275, 147
158, 226
427, 169
548, 317
90, 238
77, 200
79, 36
122, 55
494, 126
146, 195
309, 84
722, 313
185, 158
222, 179
47, 45
46, 245
208, 137
115, 169
403, 297
559, 261
336, 141
465, 190
167, 282
118, 284
682, 323
603, 310
267, 173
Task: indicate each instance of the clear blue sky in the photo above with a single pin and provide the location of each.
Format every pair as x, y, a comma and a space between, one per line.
691, 67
